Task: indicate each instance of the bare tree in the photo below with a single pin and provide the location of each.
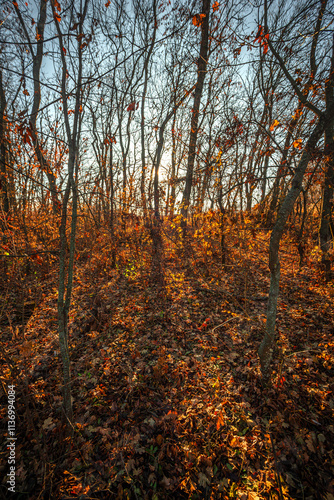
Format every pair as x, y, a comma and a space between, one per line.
66, 265
3, 149
37, 58
203, 19
327, 222
325, 122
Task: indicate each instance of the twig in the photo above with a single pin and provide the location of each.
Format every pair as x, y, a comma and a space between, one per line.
222, 324
301, 352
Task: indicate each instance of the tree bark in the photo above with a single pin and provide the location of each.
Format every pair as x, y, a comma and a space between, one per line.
142, 124
327, 224
37, 59
156, 223
73, 137
3, 150
266, 347
201, 72
173, 172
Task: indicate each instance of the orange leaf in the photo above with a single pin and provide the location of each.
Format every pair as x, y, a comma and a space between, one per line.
220, 421
198, 19
259, 34
57, 5
297, 113
297, 144
262, 39
77, 489
215, 6
273, 125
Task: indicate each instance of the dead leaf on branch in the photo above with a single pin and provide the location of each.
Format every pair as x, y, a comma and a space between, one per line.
198, 19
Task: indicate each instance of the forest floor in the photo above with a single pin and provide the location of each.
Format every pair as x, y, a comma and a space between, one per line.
167, 394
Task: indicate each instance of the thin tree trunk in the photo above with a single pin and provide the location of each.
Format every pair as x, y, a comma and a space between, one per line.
173, 172
326, 232
111, 225
327, 224
62, 313
156, 223
37, 59
3, 150
266, 347
201, 72
142, 125
222, 214
284, 167
73, 138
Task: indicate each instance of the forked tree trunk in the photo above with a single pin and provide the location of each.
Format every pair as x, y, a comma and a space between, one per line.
267, 344
37, 58
326, 121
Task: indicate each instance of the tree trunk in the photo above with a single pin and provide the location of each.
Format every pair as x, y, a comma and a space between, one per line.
142, 124
327, 225
283, 169
37, 59
73, 131
173, 172
111, 225
266, 347
301, 243
155, 224
3, 150
201, 72
222, 216
63, 313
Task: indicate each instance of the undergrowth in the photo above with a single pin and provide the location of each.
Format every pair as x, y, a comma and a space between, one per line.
167, 394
